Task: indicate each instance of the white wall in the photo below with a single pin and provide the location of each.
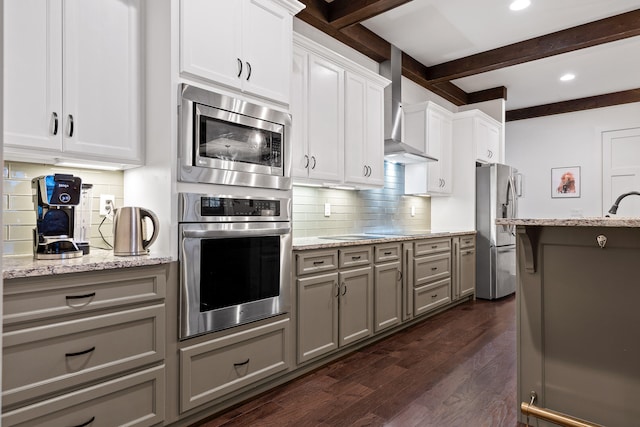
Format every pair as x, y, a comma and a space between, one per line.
534, 146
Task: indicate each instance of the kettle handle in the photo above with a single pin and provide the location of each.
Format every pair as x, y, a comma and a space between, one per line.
154, 220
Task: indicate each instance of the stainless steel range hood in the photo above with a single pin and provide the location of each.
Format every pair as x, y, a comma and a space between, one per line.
395, 150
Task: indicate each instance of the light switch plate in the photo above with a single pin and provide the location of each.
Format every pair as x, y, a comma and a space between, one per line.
327, 209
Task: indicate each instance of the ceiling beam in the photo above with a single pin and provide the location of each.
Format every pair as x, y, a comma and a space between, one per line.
343, 13
587, 35
598, 101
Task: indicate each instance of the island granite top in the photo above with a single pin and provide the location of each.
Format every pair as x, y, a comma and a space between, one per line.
25, 266
327, 242
572, 222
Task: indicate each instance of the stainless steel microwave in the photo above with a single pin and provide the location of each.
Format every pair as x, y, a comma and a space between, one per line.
225, 140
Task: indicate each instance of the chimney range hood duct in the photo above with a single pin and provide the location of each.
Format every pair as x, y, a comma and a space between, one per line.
395, 150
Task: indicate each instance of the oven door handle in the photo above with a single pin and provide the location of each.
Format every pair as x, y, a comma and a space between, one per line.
204, 234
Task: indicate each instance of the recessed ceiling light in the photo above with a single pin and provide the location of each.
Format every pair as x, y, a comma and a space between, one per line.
519, 4
567, 77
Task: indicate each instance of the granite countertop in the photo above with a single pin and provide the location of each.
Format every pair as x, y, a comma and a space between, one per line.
572, 222
98, 259
326, 242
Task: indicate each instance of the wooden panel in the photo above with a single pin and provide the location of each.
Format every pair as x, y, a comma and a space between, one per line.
356, 305
387, 296
429, 297
132, 400
354, 257
386, 252
316, 261
343, 13
426, 247
48, 358
34, 298
214, 368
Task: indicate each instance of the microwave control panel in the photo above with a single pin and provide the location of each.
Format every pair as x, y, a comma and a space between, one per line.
230, 207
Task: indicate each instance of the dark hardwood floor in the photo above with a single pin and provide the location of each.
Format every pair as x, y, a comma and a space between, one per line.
457, 368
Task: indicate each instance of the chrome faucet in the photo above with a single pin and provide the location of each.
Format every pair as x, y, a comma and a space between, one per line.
614, 208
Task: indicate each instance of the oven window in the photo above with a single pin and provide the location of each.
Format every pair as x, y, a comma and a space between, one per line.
224, 140
238, 270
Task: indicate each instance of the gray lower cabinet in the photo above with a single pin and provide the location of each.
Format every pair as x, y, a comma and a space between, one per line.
213, 368
72, 345
431, 274
333, 309
464, 277
387, 282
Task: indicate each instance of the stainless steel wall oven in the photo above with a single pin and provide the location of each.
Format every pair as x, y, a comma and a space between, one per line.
234, 260
225, 140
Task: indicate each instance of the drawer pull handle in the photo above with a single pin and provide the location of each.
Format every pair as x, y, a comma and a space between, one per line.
80, 353
434, 247
388, 253
355, 258
237, 365
92, 294
434, 296
344, 292
87, 423
318, 262
434, 268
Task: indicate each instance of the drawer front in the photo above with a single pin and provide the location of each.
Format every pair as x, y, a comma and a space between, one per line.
49, 358
467, 241
27, 299
214, 368
385, 253
431, 268
431, 246
316, 262
429, 297
354, 257
133, 400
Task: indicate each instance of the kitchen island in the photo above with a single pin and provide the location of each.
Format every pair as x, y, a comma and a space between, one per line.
577, 317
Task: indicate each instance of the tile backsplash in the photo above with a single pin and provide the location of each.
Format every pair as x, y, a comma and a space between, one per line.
362, 211
18, 211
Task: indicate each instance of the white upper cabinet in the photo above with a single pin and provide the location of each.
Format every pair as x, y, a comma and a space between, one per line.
364, 133
429, 125
487, 132
337, 114
72, 81
242, 44
317, 111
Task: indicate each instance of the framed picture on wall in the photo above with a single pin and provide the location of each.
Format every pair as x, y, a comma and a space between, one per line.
565, 182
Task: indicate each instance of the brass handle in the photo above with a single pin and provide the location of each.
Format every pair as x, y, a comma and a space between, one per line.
529, 409
80, 353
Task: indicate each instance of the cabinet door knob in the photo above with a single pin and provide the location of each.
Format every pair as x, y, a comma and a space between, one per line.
248, 70
70, 125
80, 353
54, 118
239, 67
85, 424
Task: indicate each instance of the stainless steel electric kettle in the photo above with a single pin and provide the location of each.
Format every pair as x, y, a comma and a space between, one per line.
130, 236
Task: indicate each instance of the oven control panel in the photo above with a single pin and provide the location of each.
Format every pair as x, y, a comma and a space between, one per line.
223, 206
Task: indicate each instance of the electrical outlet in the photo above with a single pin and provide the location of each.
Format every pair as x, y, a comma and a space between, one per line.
413, 210
327, 209
107, 204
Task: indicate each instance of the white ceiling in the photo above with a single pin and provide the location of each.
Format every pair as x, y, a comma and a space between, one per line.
437, 31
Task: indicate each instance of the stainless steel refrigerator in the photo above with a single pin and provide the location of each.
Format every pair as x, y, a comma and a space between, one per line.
496, 245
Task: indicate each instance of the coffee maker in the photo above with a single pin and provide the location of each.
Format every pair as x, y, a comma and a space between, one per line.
55, 199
